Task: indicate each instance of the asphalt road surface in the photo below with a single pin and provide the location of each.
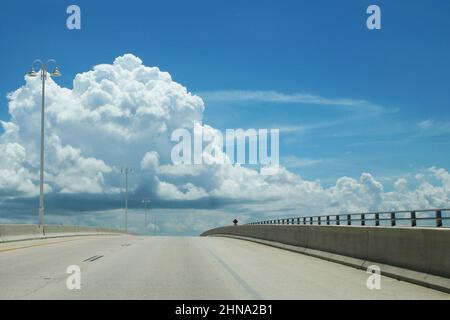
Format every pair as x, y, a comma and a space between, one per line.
137, 267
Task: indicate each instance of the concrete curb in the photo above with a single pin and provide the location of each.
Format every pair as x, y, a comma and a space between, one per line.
419, 278
51, 236
23, 232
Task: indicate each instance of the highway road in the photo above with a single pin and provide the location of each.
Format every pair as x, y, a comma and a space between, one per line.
137, 267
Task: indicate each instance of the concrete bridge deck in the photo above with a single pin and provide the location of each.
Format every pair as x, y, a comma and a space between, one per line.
137, 267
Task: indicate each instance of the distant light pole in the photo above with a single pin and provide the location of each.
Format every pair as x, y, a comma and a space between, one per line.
146, 201
126, 172
43, 72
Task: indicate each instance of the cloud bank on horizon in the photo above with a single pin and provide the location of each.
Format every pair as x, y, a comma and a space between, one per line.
123, 114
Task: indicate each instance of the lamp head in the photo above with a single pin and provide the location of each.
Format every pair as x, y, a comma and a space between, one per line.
32, 73
56, 72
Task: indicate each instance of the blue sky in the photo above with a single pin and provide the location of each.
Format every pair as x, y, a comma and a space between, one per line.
313, 47
396, 80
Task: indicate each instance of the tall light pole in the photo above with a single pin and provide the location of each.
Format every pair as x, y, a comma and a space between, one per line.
126, 172
43, 72
146, 201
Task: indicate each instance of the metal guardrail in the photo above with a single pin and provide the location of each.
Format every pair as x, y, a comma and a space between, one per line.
388, 218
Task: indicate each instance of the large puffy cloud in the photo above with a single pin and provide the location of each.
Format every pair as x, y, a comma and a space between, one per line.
14, 177
111, 117
123, 114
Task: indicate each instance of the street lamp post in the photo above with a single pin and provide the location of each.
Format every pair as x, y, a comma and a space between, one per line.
126, 172
43, 72
146, 201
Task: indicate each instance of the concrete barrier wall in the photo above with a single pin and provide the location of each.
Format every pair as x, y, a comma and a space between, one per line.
16, 232
424, 250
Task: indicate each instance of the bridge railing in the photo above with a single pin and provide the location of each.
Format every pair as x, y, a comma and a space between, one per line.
424, 218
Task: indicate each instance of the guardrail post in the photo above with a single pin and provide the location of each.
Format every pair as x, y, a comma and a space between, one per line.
377, 219
363, 219
319, 220
328, 220
292, 221
413, 219
438, 218
349, 220
298, 220
304, 220
338, 222
310, 220
393, 221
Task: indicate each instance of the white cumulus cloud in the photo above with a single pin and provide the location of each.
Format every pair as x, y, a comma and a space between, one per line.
123, 114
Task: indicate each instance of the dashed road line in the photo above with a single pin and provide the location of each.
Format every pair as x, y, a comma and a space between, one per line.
93, 258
